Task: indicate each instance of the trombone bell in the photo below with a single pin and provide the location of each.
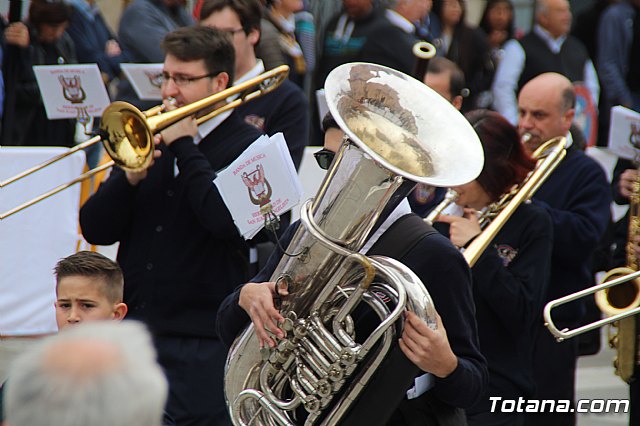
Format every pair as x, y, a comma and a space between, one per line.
126, 136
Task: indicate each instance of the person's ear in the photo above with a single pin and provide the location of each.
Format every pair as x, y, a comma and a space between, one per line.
220, 82
254, 37
457, 102
567, 118
120, 311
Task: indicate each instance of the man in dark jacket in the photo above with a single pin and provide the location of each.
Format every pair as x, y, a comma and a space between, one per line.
578, 199
180, 250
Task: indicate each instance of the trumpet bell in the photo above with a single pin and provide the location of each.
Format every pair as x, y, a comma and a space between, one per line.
619, 299
126, 136
404, 125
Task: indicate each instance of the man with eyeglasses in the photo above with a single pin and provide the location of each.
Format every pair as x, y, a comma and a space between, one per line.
285, 109
180, 250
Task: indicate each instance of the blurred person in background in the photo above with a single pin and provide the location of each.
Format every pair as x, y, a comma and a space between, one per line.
40, 40
466, 46
278, 44
143, 25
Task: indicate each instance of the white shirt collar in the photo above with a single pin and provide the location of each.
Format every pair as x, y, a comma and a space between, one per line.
401, 210
400, 21
569, 139
554, 44
257, 69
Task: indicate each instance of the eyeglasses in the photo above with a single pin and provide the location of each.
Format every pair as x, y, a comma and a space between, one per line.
232, 32
183, 80
324, 158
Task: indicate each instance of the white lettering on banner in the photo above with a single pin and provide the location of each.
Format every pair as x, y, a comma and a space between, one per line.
499, 404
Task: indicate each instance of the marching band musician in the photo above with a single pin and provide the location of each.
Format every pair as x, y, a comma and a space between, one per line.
180, 250
285, 109
577, 197
450, 354
510, 278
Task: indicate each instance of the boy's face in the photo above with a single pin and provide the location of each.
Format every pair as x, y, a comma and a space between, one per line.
81, 299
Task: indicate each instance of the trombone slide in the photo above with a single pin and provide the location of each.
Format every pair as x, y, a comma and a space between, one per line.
566, 333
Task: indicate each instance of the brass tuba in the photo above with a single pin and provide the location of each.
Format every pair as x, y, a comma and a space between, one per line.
398, 132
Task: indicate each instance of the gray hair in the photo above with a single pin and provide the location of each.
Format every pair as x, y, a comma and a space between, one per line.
541, 7
123, 385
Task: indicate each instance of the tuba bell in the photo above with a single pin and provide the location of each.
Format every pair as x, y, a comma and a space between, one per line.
398, 132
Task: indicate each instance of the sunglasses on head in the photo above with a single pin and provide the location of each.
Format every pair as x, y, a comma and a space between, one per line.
324, 158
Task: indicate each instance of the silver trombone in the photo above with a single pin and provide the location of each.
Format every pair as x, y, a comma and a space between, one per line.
566, 333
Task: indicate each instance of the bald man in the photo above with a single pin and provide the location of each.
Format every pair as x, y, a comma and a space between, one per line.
577, 196
547, 48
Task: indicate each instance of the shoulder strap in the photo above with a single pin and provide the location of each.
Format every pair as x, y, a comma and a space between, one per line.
402, 236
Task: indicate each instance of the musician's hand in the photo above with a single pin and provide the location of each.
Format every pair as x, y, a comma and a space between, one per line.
426, 348
112, 48
625, 184
17, 34
257, 300
185, 127
135, 178
462, 229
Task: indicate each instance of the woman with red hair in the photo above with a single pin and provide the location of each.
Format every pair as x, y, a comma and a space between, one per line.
510, 278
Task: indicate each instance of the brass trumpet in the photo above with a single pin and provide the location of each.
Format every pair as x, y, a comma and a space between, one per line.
127, 133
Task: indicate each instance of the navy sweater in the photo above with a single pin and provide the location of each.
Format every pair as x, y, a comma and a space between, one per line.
509, 283
446, 276
180, 250
578, 198
284, 110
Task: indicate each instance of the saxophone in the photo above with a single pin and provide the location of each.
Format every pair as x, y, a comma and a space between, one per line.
624, 297
319, 372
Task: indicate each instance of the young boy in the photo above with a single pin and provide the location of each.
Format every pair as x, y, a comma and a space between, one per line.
89, 287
